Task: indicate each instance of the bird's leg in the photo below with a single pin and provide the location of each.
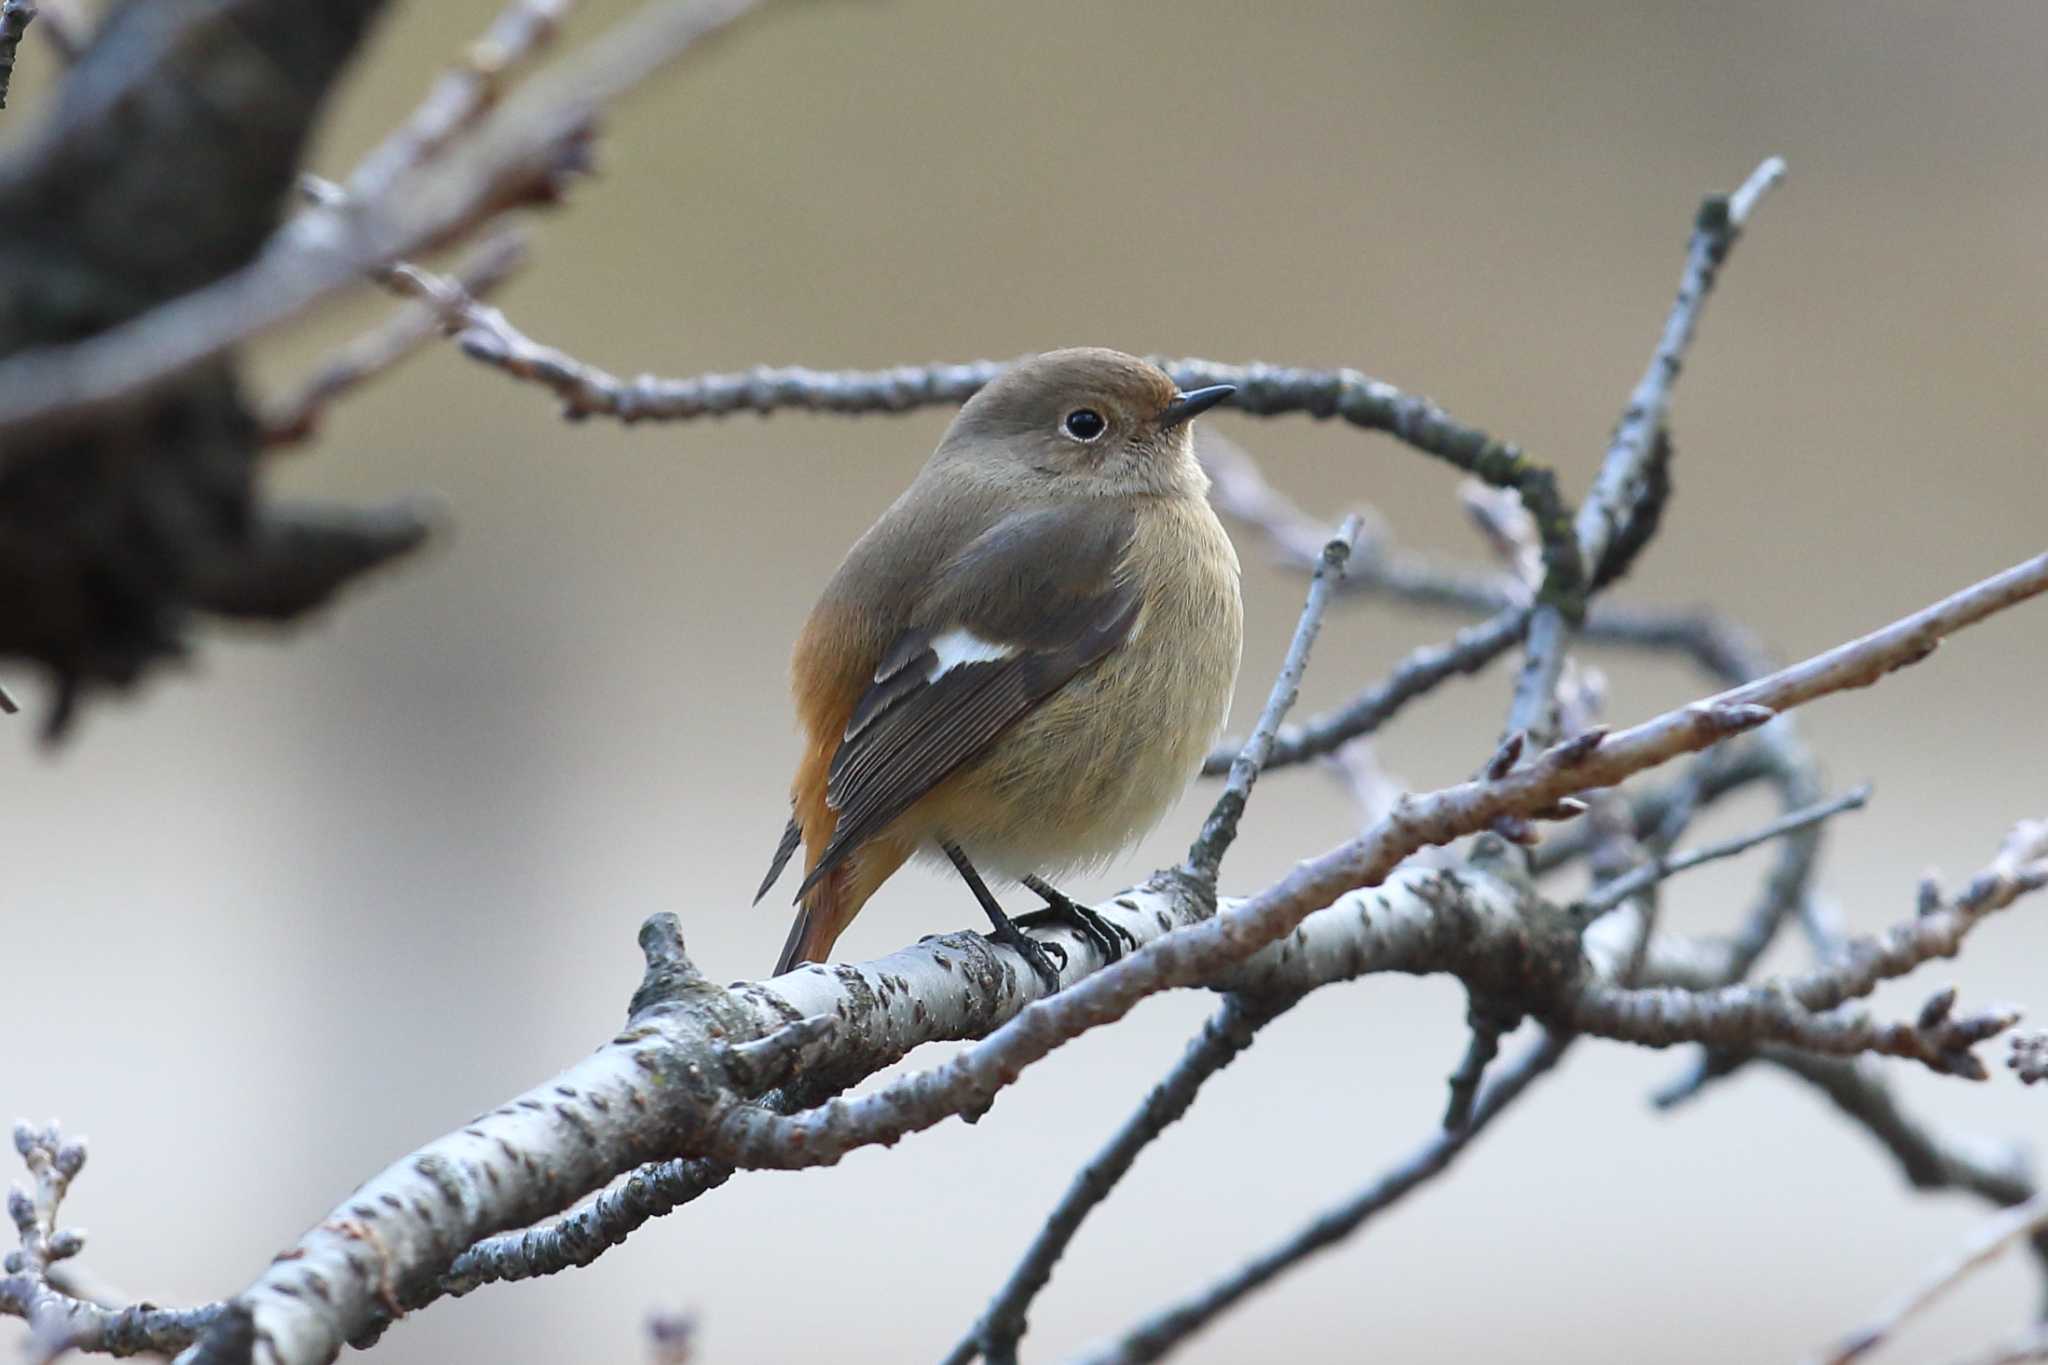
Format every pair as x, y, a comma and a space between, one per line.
1109, 937
1037, 954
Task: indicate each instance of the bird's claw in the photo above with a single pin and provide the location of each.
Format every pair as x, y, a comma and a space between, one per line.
1038, 956
1110, 939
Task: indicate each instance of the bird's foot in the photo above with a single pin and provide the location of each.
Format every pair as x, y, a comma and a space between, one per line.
1038, 956
1111, 939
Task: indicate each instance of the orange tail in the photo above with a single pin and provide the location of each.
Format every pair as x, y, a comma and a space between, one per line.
830, 906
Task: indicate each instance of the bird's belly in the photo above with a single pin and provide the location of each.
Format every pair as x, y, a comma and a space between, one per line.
1098, 764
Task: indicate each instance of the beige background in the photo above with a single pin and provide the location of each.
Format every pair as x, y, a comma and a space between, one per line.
280, 918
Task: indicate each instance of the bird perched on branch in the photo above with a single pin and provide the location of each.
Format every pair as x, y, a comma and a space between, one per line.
1021, 665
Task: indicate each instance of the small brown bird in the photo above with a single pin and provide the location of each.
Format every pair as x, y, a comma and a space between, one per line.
1022, 663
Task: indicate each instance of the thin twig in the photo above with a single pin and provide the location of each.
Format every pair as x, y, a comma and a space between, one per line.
1640, 879
59, 1320
1626, 471
409, 327
1990, 1241
1205, 856
463, 94
1159, 1334
1227, 1033
1469, 651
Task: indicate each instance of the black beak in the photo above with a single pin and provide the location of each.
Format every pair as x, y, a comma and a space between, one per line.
1186, 405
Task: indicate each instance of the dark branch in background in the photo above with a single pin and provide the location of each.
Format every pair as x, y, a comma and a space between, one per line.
116, 529
127, 453
15, 17
523, 153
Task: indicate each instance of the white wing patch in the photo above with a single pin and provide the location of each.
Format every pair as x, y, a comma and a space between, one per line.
963, 646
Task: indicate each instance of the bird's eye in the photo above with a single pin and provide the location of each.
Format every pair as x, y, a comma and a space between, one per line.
1084, 424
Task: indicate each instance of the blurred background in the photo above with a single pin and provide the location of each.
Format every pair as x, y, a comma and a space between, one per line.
278, 919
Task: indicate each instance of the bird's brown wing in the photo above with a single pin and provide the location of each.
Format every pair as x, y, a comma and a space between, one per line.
1024, 608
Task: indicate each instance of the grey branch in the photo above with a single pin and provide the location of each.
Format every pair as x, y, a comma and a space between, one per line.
412, 325
1159, 1334
1991, 1240
33, 1286
1641, 879
1205, 857
462, 96
1229, 1032
1633, 463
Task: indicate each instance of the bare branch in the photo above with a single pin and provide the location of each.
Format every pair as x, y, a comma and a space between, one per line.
1205, 857
412, 325
1640, 879
58, 1319
1159, 1334
462, 96
1229, 1032
1990, 1241
1630, 466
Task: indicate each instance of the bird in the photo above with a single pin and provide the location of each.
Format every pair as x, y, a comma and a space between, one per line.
1020, 666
